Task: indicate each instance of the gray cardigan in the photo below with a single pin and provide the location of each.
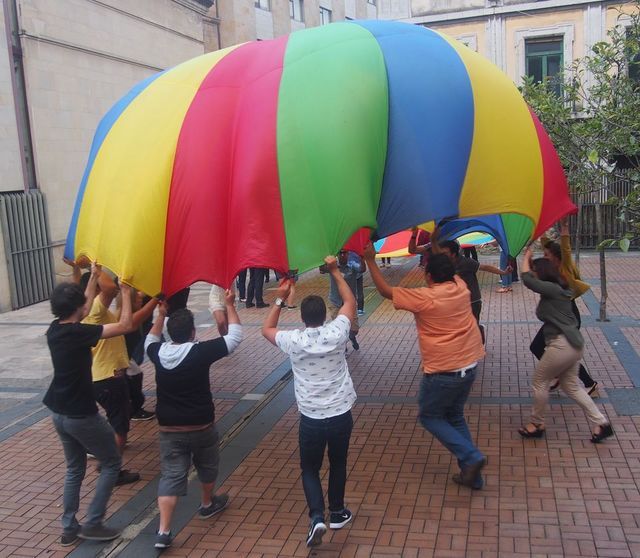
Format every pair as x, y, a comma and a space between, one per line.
555, 310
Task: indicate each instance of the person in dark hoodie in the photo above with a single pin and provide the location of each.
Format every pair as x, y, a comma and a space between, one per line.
185, 410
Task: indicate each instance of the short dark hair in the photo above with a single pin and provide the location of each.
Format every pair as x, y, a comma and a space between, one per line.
440, 267
547, 271
65, 299
452, 245
554, 248
313, 311
180, 325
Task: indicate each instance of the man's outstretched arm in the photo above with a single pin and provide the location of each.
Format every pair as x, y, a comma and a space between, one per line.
378, 279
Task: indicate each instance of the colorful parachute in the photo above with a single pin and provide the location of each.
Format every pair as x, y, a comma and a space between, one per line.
273, 153
393, 246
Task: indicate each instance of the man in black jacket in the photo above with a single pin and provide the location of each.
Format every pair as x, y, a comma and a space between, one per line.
185, 410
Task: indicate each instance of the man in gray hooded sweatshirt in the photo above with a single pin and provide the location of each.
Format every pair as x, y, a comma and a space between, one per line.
185, 410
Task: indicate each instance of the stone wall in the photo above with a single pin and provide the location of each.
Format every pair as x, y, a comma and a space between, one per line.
80, 57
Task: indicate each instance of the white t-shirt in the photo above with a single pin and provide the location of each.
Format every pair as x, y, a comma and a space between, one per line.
322, 382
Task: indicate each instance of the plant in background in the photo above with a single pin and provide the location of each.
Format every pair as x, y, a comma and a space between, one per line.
595, 125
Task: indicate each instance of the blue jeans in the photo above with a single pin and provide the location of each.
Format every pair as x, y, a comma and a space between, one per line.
315, 436
507, 279
441, 402
91, 434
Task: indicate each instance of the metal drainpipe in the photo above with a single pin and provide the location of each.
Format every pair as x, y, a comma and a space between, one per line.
18, 82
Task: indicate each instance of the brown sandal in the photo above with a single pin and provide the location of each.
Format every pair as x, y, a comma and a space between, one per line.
537, 433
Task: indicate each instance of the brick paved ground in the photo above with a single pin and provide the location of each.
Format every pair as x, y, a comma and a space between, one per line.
559, 496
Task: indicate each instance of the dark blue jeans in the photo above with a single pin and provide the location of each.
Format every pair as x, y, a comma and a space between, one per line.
441, 401
315, 436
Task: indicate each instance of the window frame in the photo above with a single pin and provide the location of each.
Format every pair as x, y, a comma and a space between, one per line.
325, 10
544, 57
564, 32
292, 10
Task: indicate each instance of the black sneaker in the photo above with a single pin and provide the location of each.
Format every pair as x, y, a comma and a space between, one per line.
163, 540
339, 519
142, 414
67, 539
354, 341
262, 305
316, 532
250, 305
127, 477
98, 532
218, 503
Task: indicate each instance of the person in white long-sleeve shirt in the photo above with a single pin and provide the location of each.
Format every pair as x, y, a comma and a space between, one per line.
185, 410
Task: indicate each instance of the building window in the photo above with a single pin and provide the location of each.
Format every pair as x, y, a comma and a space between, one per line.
263, 4
544, 60
296, 10
325, 16
633, 58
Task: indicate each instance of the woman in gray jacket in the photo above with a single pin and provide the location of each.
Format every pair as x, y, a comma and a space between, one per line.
563, 350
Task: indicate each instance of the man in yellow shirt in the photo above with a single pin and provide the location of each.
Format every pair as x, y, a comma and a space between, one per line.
450, 346
109, 367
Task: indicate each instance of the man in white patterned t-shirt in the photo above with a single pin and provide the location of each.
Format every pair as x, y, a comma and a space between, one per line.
324, 393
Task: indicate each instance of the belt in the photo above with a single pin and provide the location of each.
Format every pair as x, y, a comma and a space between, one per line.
458, 373
78, 416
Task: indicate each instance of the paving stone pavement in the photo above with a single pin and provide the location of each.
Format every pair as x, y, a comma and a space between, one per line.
558, 496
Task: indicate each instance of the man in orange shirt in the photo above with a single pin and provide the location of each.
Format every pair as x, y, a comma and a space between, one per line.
450, 346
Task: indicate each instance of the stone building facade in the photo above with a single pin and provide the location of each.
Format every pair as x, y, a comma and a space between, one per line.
63, 65
522, 37
247, 20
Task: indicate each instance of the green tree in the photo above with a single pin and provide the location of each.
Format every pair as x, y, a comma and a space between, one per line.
595, 125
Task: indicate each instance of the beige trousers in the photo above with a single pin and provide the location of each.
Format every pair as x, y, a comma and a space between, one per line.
560, 360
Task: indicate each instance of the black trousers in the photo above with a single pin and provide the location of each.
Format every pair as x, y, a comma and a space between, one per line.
241, 282
256, 284
135, 392
315, 435
538, 346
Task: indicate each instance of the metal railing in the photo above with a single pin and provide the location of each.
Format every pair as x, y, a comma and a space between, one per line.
25, 229
618, 186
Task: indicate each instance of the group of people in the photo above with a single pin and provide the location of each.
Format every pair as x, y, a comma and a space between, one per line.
91, 360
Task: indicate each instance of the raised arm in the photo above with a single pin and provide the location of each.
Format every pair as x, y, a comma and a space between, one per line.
91, 289
140, 316
348, 307
435, 241
125, 323
76, 272
378, 279
565, 242
108, 289
270, 325
546, 288
496, 270
233, 337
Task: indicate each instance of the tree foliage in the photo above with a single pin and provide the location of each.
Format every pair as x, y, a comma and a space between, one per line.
595, 122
